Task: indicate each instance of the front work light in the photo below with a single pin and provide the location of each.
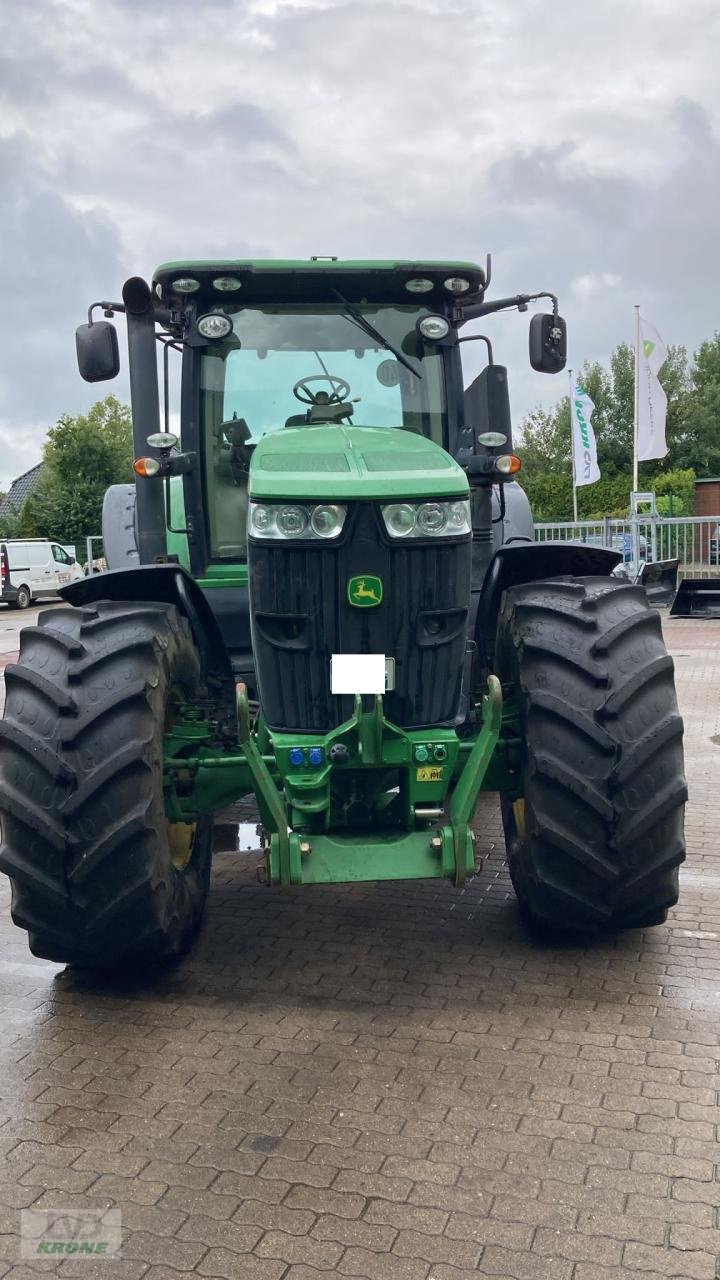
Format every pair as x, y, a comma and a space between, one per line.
294, 521
227, 284
456, 284
427, 519
214, 326
434, 328
419, 285
185, 284
162, 440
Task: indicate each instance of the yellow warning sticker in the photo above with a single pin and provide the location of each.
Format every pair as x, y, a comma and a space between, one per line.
430, 773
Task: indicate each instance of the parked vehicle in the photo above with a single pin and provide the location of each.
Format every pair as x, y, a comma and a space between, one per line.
32, 568
325, 611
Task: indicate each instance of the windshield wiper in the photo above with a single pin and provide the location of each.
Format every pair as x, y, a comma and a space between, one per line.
363, 323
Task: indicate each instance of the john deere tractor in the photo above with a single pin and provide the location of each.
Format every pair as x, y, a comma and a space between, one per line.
324, 590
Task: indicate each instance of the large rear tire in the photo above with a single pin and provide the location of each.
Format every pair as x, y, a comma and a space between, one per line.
597, 839
99, 876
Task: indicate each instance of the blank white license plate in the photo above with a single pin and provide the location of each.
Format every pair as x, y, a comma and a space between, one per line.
361, 673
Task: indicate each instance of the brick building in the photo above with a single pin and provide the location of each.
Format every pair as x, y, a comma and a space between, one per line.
707, 497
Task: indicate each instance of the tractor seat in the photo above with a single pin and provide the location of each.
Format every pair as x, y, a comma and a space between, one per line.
318, 413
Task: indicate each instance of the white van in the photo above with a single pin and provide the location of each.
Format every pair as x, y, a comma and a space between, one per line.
34, 567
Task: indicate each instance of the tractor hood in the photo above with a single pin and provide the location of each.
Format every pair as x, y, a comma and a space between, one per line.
351, 463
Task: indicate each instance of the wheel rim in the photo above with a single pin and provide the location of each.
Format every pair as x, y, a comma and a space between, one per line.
180, 835
181, 839
519, 818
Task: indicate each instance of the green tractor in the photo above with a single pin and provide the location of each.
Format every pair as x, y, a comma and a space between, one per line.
325, 591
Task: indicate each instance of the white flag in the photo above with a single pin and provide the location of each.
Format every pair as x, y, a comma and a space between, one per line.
652, 401
587, 470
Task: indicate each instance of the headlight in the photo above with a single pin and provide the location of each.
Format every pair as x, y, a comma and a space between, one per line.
400, 519
291, 521
294, 521
434, 327
427, 519
327, 521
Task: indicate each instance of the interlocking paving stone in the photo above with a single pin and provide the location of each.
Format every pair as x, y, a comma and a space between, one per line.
390, 1082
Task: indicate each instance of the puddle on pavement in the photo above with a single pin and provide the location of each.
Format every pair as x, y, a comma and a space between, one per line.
705, 880
41, 970
236, 837
703, 934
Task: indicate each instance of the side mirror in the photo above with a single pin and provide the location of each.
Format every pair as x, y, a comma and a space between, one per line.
548, 343
98, 356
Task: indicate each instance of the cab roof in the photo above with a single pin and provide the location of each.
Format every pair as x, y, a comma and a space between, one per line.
315, 280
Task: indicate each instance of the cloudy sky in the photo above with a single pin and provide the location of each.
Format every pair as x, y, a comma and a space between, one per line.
578, 140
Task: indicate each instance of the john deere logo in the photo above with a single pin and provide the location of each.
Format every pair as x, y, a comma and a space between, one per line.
648, 348
365, 590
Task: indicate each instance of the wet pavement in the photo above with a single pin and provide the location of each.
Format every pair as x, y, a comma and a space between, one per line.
384, 1080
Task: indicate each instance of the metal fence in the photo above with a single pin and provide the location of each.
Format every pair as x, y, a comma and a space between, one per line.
693, 540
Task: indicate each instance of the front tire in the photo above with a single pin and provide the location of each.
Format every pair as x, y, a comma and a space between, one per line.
99, 877
597, 839
23, 598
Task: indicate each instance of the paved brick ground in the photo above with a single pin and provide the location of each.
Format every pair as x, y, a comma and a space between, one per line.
387, 1082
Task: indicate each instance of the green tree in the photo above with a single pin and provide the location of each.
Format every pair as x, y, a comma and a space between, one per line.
545, 442
27, 522
83, 456
545, 438
695, 434
10, 525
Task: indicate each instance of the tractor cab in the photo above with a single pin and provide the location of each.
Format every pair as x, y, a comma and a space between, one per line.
308, 380
273, 348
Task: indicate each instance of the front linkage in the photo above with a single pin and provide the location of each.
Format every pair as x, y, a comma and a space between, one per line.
366, 801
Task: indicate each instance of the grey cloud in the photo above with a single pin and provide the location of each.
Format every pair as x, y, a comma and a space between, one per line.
576, 142
54, 262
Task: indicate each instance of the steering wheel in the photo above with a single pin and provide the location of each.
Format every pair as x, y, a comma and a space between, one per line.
340, 389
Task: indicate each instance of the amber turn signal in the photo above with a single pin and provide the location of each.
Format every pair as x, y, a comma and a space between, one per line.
146, 467
508, 464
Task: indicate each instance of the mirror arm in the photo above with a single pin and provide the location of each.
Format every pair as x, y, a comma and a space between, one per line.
520, 302
108, 309
480, 337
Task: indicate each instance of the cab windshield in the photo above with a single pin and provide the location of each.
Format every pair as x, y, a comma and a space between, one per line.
299, 366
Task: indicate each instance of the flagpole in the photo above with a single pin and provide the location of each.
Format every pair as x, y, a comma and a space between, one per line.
636, 410
572, 447
636, 424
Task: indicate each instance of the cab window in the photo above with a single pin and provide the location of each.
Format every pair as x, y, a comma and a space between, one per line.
285, 366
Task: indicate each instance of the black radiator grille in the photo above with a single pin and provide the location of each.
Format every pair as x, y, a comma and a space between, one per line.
301, 616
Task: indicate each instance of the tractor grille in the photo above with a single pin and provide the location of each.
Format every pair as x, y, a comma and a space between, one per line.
301, 616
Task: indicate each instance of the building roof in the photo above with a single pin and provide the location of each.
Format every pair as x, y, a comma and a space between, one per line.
20, 490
